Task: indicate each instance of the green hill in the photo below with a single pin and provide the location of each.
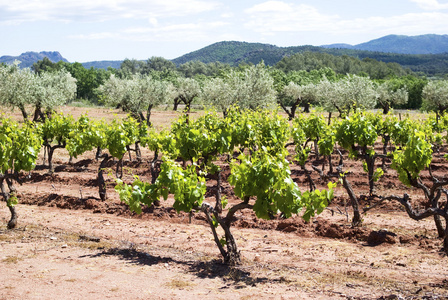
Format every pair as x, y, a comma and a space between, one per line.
234, 53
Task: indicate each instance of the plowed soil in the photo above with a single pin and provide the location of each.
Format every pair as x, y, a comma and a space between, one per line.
71, 245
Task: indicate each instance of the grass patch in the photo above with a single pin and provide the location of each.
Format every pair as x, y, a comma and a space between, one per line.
178, 284
5, 238
11, 260
95, 245
9, 287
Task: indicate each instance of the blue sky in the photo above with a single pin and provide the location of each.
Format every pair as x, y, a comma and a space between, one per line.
87, 30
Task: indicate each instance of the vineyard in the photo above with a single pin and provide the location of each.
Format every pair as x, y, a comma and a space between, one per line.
252, 204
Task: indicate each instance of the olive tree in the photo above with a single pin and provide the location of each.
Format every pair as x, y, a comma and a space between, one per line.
435, 96
152, 93
186, 91
253, 87
218, 93
52, 89
44, 91
136, 95
295, 95
16, 87
347, 94
250, 87
388, 96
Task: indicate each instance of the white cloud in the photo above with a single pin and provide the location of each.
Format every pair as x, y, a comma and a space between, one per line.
227, 15
270, 6
430, 4
87, 10
408, 24
153, 21
176, 32
275, 17
96, 36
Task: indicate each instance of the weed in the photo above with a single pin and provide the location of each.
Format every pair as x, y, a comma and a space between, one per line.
11, 260
178, 284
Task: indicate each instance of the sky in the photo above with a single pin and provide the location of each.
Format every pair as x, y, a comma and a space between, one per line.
89, 30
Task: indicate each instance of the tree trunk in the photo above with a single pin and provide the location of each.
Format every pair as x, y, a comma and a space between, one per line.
148, 115
386, 108
330, 170
6, 196
356, 221
316, 148
48, 114
440, 230
13, 221
187, 110
306, 107
176, 103
370, 161
38, 115
437, 218
24, 113
119, 169
128, 149
100, 179
310, 180
141, 118
50, 150
386, 142
155, 171
50, 159
218, 206
138, 152
98, 153
445, 239
292, 112
233, 256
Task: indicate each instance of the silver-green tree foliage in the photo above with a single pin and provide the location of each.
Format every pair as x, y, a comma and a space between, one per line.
218, 93
298, 94
20, 88
435, 96
253, 87
187, 90
52, 90
347, 94
16, 87
136, 95
388, 96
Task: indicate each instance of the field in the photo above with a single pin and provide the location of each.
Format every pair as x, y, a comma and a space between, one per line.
71, 245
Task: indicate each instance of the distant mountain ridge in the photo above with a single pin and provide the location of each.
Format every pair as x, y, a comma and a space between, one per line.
424, 53
27, 59
402, 44
233, 53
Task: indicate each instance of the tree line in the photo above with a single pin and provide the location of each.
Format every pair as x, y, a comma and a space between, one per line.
301, 80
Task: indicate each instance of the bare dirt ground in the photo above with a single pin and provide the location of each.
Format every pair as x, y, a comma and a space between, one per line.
71, 245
